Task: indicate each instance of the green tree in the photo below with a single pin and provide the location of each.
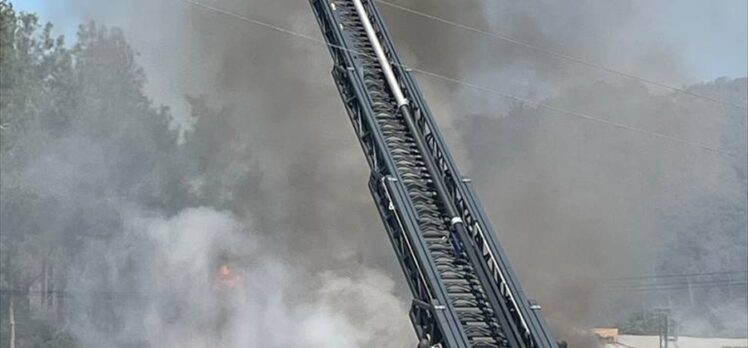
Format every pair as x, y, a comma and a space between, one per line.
79, 141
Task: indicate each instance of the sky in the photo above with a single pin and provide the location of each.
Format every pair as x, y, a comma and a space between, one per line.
711, 36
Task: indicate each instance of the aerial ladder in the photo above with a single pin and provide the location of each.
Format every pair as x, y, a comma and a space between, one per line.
465, 293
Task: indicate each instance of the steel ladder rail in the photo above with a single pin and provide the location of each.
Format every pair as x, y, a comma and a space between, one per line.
478, 320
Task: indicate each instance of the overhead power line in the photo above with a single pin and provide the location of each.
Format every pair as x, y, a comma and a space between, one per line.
679, 281
559, 54
676, 275
467, 84
682, 286
675, 282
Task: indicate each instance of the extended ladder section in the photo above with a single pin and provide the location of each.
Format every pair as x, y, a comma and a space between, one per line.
465, 293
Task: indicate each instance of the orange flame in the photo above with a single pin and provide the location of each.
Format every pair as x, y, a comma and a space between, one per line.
226, 276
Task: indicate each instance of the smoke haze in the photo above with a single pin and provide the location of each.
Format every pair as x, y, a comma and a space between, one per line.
167, 292
277, 180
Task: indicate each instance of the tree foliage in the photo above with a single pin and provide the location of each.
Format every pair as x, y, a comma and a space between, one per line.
78, 137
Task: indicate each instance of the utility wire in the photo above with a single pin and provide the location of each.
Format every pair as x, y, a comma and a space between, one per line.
674, 283
681, 288
464, 83
677, 275
677, 283
559, 54
678, 287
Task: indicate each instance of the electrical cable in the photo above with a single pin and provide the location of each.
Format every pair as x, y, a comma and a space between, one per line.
559, 54
468, 84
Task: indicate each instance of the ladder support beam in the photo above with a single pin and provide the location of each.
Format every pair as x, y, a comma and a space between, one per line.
465, 292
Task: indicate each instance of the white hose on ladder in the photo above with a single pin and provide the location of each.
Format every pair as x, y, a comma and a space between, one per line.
381, 57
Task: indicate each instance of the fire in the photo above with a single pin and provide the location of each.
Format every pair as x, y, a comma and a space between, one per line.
224, 271
227, 277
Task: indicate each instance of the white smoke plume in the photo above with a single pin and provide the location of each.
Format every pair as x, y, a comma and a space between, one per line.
201, 278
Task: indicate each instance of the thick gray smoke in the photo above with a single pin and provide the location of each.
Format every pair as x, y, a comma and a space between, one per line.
170, 290
577, 202
574, 201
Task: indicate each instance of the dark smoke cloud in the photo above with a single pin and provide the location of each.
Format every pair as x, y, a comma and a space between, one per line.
574, 201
